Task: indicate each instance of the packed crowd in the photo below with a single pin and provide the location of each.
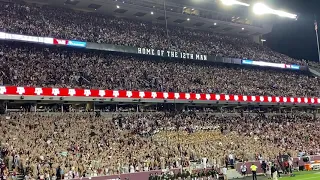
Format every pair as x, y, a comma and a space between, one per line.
84, 145
24, 65
92, 27
73, 145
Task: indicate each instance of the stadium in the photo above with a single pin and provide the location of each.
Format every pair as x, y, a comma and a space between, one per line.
155, 89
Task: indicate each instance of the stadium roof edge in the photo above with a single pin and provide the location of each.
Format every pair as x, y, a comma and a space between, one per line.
120, 8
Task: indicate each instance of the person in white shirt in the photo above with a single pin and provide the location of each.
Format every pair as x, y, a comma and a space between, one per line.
260, 158
269, 170
275, 175
95, 173
290, 162
224, 172
243, 169
54, 177
27, 177
137, 169
145, 168
204, 162
76, 174
231, 159
131, 168
66, 176
47, 176
106, 171
70, 174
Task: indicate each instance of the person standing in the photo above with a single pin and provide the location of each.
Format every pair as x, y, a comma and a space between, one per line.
290, 161
58, 173
231, 160
243, 169
274, 172
254, 171
224, 172
277, 169
264, 168
269, 170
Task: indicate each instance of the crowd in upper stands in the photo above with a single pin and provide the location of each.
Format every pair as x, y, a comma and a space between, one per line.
24, 65
92, 27
82, 144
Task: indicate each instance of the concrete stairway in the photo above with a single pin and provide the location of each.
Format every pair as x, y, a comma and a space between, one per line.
314, 71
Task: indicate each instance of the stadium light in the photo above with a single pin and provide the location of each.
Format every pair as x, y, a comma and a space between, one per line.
261, 9
233, 2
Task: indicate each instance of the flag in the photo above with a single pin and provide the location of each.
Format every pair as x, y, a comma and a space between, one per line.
316, 25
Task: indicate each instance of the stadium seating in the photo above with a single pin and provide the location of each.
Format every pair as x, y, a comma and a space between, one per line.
84, 144
92, 27
25, 65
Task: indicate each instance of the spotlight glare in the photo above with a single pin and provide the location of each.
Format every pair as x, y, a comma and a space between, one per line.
233, 2
261, 9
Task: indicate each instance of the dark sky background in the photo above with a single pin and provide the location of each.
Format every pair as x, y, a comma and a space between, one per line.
295, 38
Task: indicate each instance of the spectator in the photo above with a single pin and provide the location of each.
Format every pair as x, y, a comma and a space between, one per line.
224, 172
243, 169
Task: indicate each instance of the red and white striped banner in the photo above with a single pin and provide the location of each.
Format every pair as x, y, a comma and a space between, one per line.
95, 93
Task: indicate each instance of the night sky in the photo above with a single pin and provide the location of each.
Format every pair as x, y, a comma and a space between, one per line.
296, 38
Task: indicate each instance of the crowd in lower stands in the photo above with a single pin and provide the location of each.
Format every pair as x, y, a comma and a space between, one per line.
92, 27
24, 65
84, 145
